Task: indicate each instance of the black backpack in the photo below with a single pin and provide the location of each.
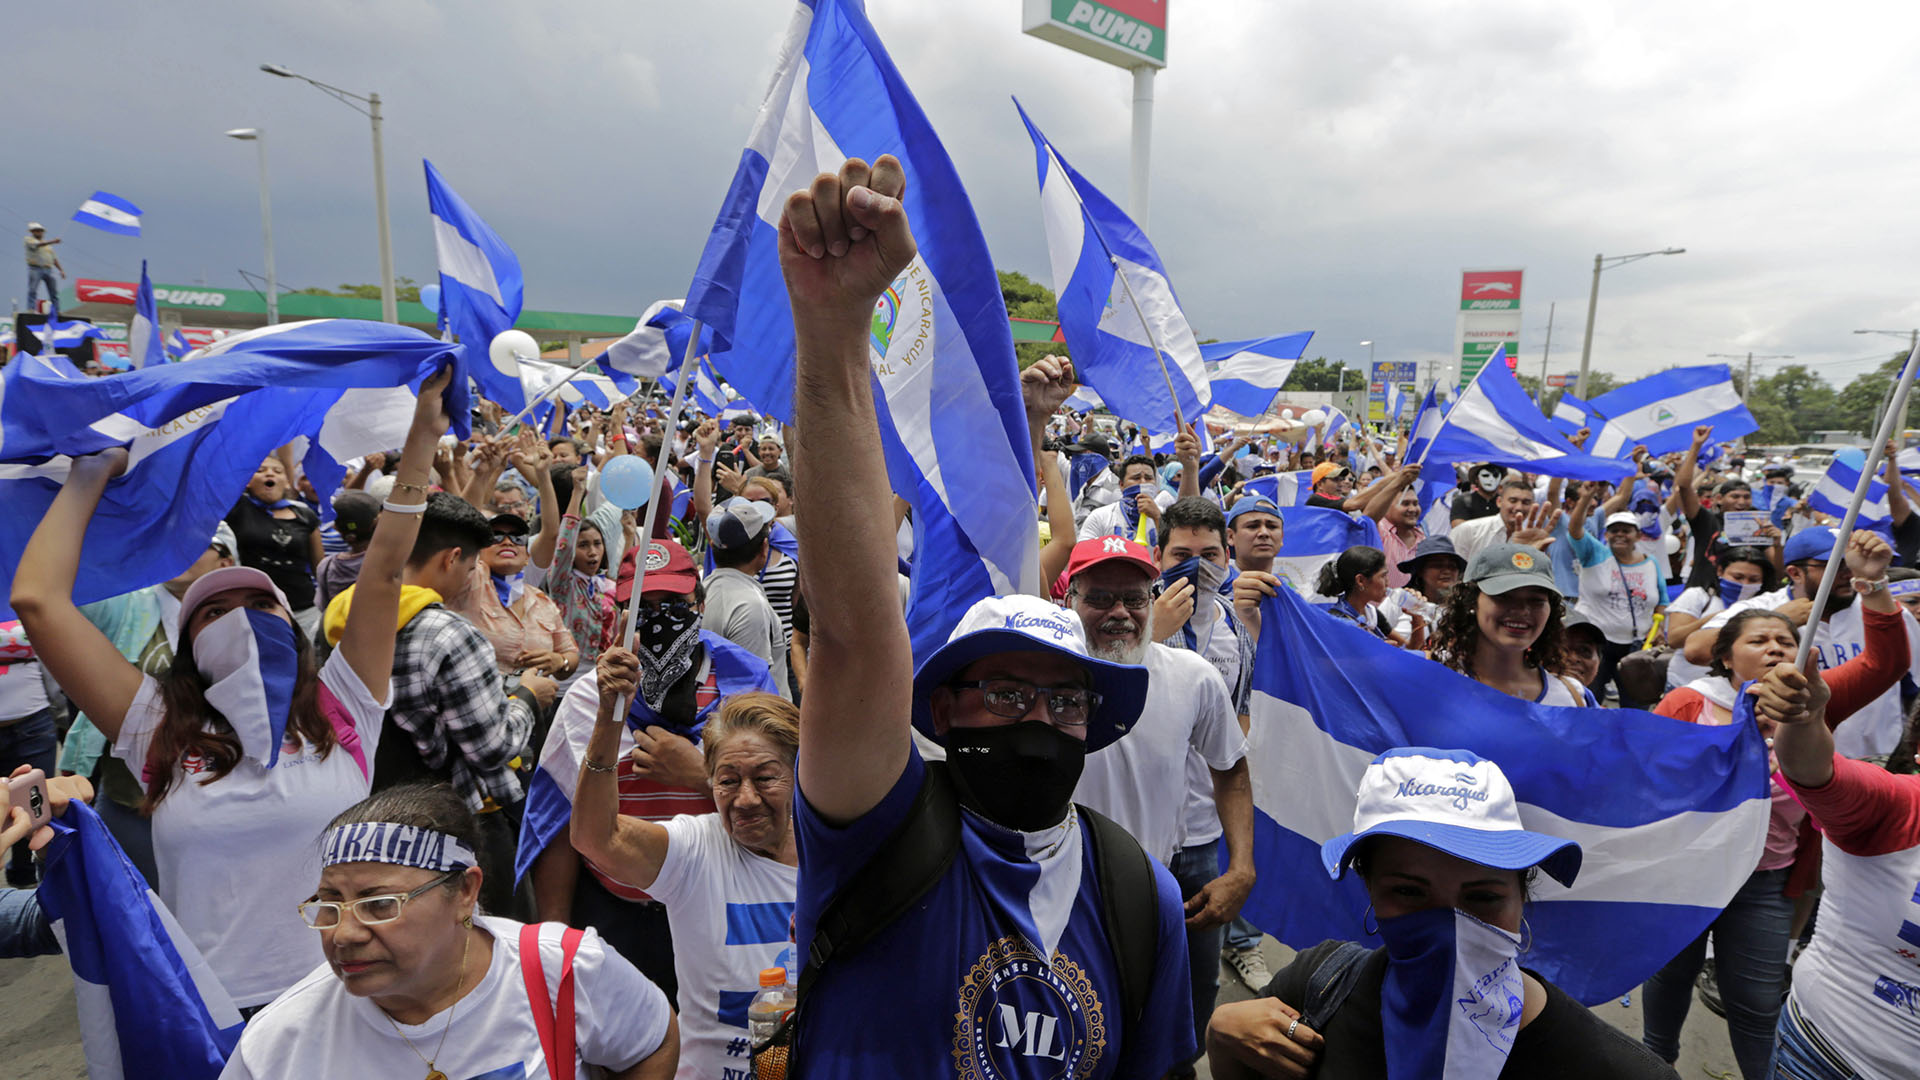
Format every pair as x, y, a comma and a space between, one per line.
916, 856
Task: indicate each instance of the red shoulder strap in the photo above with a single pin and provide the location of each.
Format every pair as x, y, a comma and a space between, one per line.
553, 1019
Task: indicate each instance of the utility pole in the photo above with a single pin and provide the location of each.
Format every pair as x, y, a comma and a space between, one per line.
1544, 350
1746, 397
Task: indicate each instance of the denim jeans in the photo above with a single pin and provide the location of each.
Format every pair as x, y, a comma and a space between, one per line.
27, 741
43, 275
1750, 964
1803, 1053
1192, 868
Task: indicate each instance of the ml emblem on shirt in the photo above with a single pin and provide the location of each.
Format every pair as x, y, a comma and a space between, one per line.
1020, 1016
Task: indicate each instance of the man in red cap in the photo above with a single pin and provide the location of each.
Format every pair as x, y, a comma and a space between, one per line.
1141, 781
685, 672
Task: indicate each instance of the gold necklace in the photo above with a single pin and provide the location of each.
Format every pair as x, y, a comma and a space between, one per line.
433, 1073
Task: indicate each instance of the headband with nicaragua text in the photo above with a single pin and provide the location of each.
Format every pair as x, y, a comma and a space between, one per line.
399, 845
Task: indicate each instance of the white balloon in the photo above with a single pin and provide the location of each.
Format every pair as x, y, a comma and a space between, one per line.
509, 347
1314, 417
1286, 414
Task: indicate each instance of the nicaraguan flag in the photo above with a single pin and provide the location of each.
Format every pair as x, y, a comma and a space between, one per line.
109, 213
196, 432
1396, 403
1426, 424
1084, 399
149, 1005
1570, 414
64, 335
178, 346
947, 388
1251, 373
588, 387
643, 353
1494, 421
1283, 489
1435, 480
143, 335
676, 328
480, 287
1834, 493
1671, 816
1660, 411
1091, 242
1311, 537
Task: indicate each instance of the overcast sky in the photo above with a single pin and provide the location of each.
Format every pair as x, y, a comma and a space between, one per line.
1329, 167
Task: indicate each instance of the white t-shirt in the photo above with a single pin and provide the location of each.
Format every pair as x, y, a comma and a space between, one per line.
731, 915
1876, 727
1140, 781
1620, 599
1111, 520
237, 856
317, 1029
1700, 603
22, 691
1471, 537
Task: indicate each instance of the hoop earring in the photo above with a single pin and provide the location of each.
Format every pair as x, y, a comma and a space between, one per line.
1370, 917
1526, 935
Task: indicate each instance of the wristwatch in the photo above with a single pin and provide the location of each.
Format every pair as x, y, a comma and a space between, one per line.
1866, 587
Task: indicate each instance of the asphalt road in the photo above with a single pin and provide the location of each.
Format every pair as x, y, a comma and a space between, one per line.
40, 1035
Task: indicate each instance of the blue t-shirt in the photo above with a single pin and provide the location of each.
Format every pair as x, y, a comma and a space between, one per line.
958, 987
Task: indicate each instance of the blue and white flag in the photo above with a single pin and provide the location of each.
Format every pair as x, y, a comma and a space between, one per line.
1426, 424
1570, 414
1113, 336
178, 346
149, 1005
1834, 493
480, 288
1671, 816
65, 335
143, 334
1495, 421
947, 387
109, 213
1396, 403
1311, 537
1084, 399
1660, 411
1251, 373
676, 328
643, 353
196, 432
587, 387
1283, 489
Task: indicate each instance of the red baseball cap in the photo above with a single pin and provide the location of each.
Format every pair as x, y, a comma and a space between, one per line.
1089, 553
669, 569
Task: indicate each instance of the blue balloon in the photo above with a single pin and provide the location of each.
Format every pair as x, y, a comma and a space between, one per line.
1853, 457
627, 482
430, 297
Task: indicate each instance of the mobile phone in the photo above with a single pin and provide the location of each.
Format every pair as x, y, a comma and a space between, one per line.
29, 793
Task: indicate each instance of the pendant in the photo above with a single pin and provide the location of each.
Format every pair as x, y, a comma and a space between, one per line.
436, 1074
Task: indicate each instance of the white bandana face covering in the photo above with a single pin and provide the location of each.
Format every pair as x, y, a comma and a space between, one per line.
397, 845
250, 661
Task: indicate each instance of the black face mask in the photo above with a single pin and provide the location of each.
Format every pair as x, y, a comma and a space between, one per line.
1017, 775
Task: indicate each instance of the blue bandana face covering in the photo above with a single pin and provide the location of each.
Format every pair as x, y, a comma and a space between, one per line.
1732, 592
1130, 508
1451, 1002
250, 660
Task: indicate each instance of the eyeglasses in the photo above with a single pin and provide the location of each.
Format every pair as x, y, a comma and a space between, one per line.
369, 910
1102, 600
1011, 699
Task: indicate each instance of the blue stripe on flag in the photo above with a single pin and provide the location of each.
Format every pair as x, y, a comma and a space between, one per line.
1834, 491
109, 213
1671, 816
1494, 421
480, 286
1660, 411
759, 924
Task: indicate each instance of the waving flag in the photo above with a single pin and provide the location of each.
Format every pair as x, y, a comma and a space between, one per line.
1091, 243
1311, 537
480, 287
109, 213
1396, 403
149, 1005
1671, 816
1834, 493
143, 336
947, 388
1084, 399
588, 387
1660, 411
1252, 372
54, 334
1283, 489
1570, 414
178, 346
644, 353
1495, 421
676, 327
195, 433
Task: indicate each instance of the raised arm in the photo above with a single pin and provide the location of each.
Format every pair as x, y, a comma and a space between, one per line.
1897, 502
1683, 477
1186, 450
1043, 386
534, 461
367, 641
842, 242
81, 659
1381, 495
629, 848
706, 439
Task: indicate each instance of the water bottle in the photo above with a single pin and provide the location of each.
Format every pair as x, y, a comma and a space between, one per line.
770, 1006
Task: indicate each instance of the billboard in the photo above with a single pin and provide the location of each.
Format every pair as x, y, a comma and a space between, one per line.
1125, 33
1388, 373
1489, 317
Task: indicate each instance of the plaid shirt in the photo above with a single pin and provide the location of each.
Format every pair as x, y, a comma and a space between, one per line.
448, 696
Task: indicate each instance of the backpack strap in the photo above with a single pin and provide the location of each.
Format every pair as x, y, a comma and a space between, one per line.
552, 1015
1332, 980
900, 871
344, 732
1130, 904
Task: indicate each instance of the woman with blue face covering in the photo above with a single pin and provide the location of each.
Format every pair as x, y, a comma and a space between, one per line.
1744, 572
1447, 880
246, 746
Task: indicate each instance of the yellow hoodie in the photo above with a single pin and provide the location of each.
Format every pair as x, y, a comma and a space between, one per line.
413, 600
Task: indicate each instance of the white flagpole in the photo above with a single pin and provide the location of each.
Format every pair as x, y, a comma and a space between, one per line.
1896, 410
547, 393
1443, 420
653, 504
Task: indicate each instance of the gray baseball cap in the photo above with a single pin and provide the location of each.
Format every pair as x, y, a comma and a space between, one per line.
1503, 568
736, 522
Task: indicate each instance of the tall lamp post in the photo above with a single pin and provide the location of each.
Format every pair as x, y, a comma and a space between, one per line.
259, 139
369, 107
1606, 262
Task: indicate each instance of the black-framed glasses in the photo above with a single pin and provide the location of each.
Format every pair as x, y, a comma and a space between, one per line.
1102, 600
519, 539
369, 910
1011, 699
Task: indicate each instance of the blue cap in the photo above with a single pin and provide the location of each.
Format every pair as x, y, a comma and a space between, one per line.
1252, 505
1814, 543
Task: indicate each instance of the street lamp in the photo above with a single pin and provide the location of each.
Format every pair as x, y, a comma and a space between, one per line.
259, 138
389, 300
1606, 262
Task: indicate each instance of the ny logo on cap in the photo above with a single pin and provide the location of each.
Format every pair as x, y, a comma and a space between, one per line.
1114, 545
